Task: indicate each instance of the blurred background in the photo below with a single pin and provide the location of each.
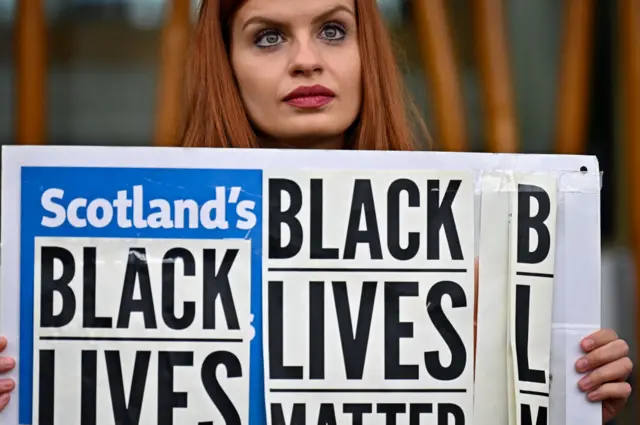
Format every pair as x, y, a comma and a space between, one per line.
544, 76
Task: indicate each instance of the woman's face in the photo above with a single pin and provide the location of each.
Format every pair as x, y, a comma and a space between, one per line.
297, 64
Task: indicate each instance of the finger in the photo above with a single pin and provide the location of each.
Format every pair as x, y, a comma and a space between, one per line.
618, 370
611, 391
4, 399
6, 364
598, 339
600, 356
3, 343
7, 385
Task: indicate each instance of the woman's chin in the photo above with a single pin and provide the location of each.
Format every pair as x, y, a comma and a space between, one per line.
318, 125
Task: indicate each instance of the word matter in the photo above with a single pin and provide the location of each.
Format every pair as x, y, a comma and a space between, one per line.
368, 413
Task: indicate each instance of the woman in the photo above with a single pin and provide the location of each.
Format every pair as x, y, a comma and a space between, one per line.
321, 74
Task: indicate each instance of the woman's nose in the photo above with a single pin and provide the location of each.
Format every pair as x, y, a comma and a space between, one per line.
305, 58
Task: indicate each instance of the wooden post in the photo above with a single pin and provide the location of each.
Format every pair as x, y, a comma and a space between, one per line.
493, 64
437, 53
31, 73
175, 42
573, 85
629, 21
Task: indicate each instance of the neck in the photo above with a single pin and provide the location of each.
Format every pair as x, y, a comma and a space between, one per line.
306, 143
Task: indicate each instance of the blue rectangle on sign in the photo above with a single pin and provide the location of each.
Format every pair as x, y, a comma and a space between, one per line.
139, 203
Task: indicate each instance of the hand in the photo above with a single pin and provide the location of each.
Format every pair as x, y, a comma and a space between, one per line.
6, 385
607, 366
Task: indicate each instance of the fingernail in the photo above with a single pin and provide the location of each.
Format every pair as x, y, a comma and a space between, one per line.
585, 383
4, 398
582, 364
592, 396
588, 344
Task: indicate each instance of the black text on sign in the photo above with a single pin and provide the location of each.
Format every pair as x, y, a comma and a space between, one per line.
533, 237
368, 289
141, 331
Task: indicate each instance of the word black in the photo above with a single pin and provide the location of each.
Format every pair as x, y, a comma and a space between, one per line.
439, 216
215, 285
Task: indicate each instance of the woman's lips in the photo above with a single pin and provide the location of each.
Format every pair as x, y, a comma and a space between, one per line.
309, 97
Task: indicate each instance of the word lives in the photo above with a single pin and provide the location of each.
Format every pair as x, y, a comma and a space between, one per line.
141, 331
531, 294
368, 299
130, 209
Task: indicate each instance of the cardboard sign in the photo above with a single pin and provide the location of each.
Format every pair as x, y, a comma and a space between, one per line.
369, 297
214, 286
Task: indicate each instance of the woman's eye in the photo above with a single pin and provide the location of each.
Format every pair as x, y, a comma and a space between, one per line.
333, 32
268, 39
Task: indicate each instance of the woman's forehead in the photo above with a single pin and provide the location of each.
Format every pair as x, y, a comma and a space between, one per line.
288, 10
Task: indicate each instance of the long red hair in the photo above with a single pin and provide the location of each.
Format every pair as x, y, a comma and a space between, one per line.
215, 115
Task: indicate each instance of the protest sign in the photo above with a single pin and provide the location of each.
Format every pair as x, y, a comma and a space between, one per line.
532, 235
134, 296
200, 286
369, 297
518, 222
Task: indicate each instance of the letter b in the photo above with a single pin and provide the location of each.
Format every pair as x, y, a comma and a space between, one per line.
49, 285
278, 217
536, 222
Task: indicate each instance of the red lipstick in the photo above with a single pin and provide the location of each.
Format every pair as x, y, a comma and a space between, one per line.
309, 97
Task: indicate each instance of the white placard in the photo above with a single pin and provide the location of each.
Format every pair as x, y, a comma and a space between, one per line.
532, 233
368, 297
222, 197
130, 348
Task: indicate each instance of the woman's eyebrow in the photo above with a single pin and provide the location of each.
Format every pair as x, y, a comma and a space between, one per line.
274, 22
334, 10
254, 20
